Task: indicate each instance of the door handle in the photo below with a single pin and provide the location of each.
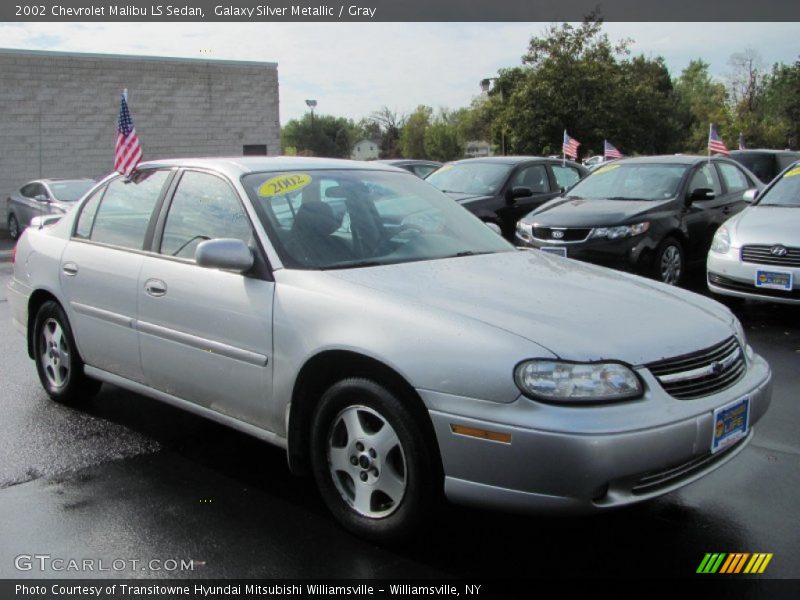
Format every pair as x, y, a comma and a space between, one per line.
155, 287
70, 269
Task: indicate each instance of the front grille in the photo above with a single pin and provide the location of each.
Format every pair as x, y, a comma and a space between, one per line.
701, 373
761, 254
750, 288
569, 234
657, 480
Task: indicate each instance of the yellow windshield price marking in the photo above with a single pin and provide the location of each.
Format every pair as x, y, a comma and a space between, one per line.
602, 170
793, 172
283, 184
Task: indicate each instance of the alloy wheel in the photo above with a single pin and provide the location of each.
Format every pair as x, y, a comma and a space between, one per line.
54, 353
670, 266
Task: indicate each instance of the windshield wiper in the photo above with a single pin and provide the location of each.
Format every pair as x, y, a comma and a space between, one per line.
780, 205
573, 198
626, 198
467, 253
354, 265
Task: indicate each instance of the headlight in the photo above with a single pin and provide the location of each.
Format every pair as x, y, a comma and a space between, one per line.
622, 231
524, 230
748, 349
558, 381
722, 241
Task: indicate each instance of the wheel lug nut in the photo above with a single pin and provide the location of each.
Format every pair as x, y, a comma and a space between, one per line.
375, 472
363, 476
359, 446
353, 460
372, 452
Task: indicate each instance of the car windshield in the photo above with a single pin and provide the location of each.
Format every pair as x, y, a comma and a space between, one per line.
329, 219
785, 192
631, 181
476, 178
70, 191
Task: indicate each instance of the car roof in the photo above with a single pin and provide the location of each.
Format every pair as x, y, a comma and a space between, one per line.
764, 151
673, 159
506, 160
236, 166
407, 161
60, 179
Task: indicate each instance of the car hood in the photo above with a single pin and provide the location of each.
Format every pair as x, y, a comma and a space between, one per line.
766, 225
576, 310
564, 212
463, 198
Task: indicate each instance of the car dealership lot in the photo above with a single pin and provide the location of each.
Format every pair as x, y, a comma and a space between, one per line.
129, 478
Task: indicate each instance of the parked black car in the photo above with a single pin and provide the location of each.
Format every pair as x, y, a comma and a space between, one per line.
765, 164
503, 189
420, 168
651, 215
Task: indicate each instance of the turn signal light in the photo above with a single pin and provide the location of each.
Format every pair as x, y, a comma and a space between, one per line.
495, 436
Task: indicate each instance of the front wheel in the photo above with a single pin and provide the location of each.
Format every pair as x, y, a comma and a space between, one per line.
668, 264
371, 461
59, 366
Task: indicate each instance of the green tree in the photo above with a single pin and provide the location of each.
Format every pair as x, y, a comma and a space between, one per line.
320, 135
442, 142
782, 107
701, 101
412, 135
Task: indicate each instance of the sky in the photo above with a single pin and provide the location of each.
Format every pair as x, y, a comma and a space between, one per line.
353, 69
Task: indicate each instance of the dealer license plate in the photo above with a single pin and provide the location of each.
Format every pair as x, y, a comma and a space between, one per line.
731, 423
558, 250
774, 280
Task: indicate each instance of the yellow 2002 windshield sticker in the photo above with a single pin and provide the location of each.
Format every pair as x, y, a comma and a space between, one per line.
602, 170
792, 172
283, 184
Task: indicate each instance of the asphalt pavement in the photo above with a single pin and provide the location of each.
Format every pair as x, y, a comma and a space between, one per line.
128, 478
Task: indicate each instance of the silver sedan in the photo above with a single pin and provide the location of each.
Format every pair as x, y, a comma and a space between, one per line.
394, 345
42, 197
756, 254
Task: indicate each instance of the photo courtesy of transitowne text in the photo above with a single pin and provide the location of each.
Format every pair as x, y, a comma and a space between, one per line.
390, 300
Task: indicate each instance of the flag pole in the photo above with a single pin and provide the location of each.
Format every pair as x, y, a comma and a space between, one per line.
125, 94
563, 151
708, 142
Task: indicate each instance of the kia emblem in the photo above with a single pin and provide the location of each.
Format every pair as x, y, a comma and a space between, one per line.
558, 234
778, 251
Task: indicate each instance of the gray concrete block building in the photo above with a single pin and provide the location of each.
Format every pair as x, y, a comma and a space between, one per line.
58, 111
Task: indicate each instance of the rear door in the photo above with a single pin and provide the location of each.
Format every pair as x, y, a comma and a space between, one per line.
206, 334
100, 270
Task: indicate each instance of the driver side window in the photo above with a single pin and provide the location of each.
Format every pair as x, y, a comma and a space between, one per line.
204, 207
706, 177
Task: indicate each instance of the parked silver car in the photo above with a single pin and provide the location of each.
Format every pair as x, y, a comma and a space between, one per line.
756, 254
395, 354
42, 197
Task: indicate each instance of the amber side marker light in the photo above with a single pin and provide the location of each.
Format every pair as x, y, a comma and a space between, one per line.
494, 436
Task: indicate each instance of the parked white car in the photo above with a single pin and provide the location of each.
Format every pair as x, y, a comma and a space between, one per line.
756, 254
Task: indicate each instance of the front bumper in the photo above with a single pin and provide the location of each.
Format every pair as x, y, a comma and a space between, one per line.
604, 457
729, 276
632, 254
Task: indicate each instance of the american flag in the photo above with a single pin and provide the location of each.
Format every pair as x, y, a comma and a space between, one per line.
128, 151
741, 142
570, 146
609, 151
715, 143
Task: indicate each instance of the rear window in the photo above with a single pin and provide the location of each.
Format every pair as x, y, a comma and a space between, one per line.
763, 166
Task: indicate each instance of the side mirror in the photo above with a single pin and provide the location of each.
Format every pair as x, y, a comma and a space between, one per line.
701, 194
223, 253
518, 192
750, 195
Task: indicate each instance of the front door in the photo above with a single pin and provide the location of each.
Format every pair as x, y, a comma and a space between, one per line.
206, 334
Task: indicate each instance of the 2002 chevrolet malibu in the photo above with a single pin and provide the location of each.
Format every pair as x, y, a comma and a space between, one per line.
386, 338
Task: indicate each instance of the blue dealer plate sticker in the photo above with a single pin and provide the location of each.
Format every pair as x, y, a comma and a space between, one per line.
731, 423
774, 280
557, 250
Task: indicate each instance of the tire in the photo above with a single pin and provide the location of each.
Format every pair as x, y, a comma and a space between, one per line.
371, 461
58, 363
669, 263
13, 227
